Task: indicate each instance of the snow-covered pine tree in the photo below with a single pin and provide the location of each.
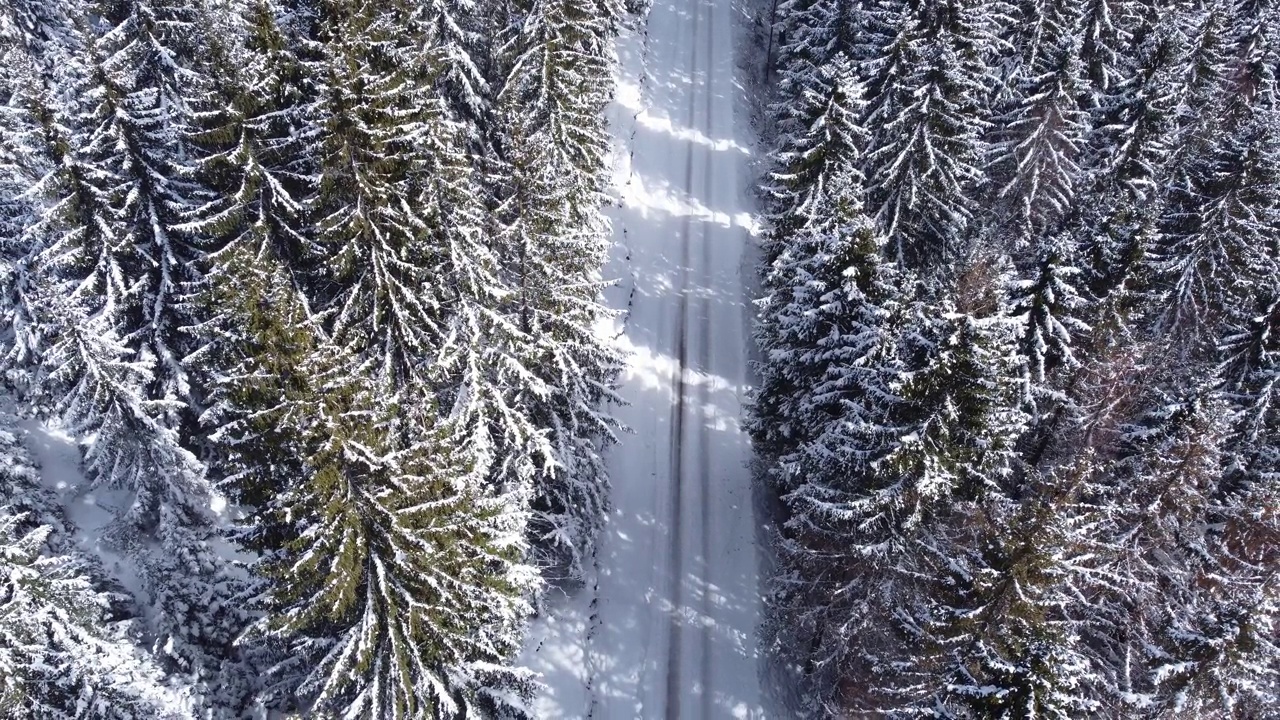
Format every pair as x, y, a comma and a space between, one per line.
454, 46
817, 190
374, 279
929, 116
1106, 30
61, 655
419, 612
1135, 122
1249, 369
1219, 242
552, 241
951, 423
139, 80
1152, 534
398, 598
83, 351
1038, 141
248, 135
394, 584
1219, 654
833, 344
1051, 303
1203, 77
247, 140
1254, 51
813, 32
998, 637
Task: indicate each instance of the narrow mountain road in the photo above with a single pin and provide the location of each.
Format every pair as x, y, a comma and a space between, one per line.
666, 627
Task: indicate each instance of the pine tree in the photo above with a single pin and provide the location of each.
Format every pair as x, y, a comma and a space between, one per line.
246, 136
1000, 638
397, 590
930, 114
1203, 79
95, 331
1051, 304
1134, 124
137, 87
1041, 138
327, 473
1248, 373
452, 40
1254, 51
1106, 30
551, 243
1219, 235
1151, 537
365, 214
831, 359
818, 192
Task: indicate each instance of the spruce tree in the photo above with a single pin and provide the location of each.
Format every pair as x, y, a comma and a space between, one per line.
818, 208
929, 118
1036, 156
551, 245
96, 329
999, 636
1219, 234
65, 642
1052, 304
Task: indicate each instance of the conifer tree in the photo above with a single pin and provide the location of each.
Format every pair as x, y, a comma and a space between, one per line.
64, 642
397, 597
390, 582
818, 191
1254, 51
1151, 534
84, 353
929, 117
1051, 304
1000, 637
453, 44
365, 214
1134, 124
1037, 151
1106, 29
139, 93
551, 246
1219, 234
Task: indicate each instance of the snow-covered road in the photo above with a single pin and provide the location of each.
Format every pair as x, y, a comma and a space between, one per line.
666, 627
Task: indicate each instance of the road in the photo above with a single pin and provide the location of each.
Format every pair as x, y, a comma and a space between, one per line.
666, 627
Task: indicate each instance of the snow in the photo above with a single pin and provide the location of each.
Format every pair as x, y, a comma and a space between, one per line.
666, 625
91, 510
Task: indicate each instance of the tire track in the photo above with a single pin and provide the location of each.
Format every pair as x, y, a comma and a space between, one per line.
704, 365
676, 564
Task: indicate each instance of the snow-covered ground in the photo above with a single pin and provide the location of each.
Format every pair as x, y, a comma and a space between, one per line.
666, 626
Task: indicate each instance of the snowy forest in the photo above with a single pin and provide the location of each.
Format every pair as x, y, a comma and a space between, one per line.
1020, 329
305, 402
310, 286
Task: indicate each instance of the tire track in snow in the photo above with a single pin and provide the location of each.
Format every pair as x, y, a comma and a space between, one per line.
704, 366
676, 564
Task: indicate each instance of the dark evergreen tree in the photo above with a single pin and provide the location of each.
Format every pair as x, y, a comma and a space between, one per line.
999, 635
551, 244
929, 115
818, 193
1051, 303
1037, 150
1220, 234
65, 643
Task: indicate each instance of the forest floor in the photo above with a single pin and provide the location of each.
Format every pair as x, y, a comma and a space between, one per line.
667, 623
